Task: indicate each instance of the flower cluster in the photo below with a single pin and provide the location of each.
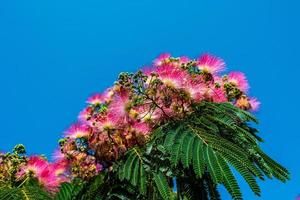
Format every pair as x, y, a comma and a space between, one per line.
10, 163
49, 175
125, 114
18, 168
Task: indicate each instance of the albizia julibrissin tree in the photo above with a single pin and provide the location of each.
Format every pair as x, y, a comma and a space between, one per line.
174, 130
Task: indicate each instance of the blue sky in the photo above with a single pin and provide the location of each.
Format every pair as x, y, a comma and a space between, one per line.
54, 54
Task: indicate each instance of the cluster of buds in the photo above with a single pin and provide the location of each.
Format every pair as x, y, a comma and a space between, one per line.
10, 163
125, 114
16, 168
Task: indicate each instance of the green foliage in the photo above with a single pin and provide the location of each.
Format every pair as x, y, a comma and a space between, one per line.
198, 158
19, 149
205, 145
68, 191
162, 185
29, 190
198, 151
133, 170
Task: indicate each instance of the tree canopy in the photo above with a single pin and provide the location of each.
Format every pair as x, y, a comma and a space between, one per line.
174, 130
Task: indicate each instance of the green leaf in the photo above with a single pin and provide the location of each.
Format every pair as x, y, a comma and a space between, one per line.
187, 150
143, 181
67, 191
213, 165
135, 175
176, 150
277, 170
247, 172
30, 189
229, 180
198, 158
170, 138
162, 185
131, 161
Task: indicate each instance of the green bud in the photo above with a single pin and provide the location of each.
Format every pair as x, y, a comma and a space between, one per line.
19, 149
62, 141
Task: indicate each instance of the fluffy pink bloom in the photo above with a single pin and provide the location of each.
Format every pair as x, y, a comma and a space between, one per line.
48, 179
210, 64
102, 137
85, 114
108, 94
254, 104
96, 99
145, 113
99, 168
247, 103
239, 80
215, 94
161, 58
172, 76
106, 122
118, 108
46, 173
168, 112
195, 89
147, 70
141, 127
184, 59
218, 79
78, 131
35, 166
218, 95
57, 155
60, 167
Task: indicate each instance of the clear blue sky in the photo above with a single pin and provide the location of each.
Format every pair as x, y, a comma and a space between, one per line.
54, 54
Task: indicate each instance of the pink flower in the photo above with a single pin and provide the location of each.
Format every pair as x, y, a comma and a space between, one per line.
210, 64
78, 131
102, 137
215, 94
218, 95
119, 107
43, 171
48, 179
99, 168
254, 104
141, 127
105, 97
161, 59
184, 59
108, 94
58, 155
239, 80
85, 114
147, 70
107, 122
60, 167
35, 166
247, 103
96, 99
195, 89
172, 76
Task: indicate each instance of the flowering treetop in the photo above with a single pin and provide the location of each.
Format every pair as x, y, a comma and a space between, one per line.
126, 114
